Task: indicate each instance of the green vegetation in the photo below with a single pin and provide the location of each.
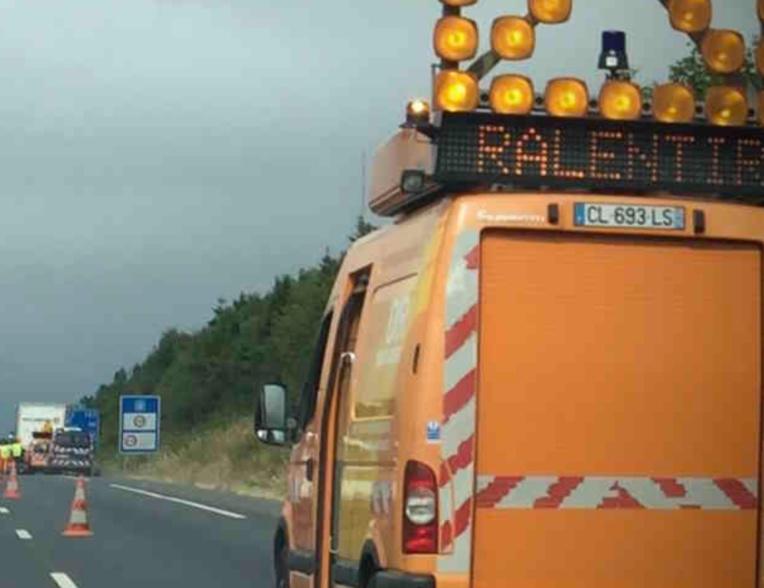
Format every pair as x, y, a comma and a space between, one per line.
692, 71
207, 380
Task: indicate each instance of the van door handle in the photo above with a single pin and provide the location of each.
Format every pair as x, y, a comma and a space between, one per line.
309, 467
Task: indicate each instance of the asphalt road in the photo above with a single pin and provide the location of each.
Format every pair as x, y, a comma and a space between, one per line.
139, 540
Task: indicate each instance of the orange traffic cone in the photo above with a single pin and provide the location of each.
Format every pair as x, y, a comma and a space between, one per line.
12, 486
78, 519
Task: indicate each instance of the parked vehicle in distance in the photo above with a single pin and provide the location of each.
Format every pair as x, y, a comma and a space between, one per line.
38, 452
71, 452
32, 417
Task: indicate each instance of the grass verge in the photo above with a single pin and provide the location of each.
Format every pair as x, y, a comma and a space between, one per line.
221, 456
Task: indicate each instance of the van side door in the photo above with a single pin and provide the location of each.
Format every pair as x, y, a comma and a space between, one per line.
343, 358
304, 464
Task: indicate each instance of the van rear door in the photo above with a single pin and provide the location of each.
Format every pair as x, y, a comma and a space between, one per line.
618, 412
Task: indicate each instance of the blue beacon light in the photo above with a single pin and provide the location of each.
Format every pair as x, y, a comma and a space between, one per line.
613, 57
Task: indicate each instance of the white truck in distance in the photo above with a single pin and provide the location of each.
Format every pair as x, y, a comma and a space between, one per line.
35, 417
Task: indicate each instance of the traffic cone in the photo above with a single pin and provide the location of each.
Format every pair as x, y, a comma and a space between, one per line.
78, 518
12, 485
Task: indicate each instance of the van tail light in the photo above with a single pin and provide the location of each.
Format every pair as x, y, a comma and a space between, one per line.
420, 514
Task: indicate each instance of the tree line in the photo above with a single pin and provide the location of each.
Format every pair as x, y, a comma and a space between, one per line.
212, 373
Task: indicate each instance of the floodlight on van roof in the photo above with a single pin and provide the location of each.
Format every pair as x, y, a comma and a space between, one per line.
459, 3
412, 181
417, 113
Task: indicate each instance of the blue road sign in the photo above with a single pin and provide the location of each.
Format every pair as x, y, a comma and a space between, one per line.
139, 424
86, 419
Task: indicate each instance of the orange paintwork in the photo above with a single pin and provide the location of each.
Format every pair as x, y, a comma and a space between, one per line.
406, 150
380, 429
625, 357
627, 549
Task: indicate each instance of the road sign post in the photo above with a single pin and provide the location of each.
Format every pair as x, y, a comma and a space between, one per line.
139, 418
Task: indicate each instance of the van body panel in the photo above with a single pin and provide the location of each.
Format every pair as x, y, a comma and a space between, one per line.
369, 419
623, 548
429, 262
366, 419
619, 407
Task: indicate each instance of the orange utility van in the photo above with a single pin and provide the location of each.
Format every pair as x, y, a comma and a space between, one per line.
38, 453
545, 372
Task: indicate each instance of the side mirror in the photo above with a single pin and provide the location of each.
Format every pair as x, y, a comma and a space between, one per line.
272, 422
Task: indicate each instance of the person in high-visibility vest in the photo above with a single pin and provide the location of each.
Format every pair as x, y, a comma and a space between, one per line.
5, 454
17, 453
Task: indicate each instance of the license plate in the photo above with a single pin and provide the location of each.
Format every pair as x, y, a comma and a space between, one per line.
629, 215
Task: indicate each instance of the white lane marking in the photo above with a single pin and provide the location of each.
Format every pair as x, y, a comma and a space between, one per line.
220, 511
23, 534
4, 510
63, 580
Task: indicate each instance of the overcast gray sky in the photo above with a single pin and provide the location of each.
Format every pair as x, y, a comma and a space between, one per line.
157, 155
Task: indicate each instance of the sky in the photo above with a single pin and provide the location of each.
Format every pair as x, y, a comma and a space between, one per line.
157, 155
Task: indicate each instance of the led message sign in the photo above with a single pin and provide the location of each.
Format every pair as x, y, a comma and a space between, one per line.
596, 154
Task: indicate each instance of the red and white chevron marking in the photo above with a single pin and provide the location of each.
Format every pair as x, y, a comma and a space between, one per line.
602, 492
458, 427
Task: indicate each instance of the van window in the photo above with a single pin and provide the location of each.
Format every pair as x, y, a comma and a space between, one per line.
312, 382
